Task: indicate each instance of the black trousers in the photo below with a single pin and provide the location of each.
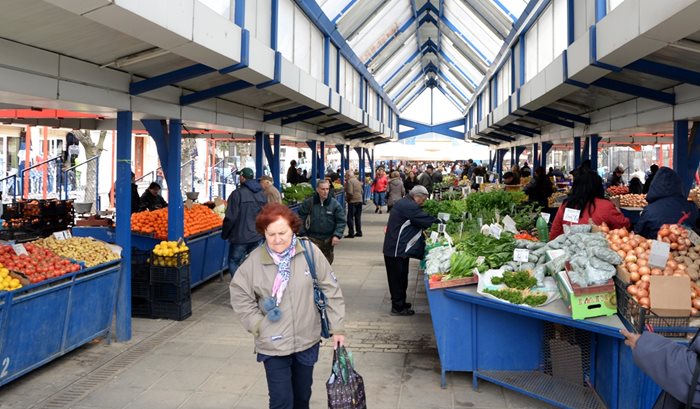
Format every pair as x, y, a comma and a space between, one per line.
354, 218
288, 382
397, 275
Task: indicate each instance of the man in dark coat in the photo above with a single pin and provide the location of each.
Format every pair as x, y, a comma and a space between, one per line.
647, 183
292, 174
404, 240
667, 204
243, 206
323, 219
151, 198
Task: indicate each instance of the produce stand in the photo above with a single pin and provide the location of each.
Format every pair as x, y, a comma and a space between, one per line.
43, 321
208, 251
540, 352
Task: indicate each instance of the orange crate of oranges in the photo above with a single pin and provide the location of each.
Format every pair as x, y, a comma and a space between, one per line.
198, 219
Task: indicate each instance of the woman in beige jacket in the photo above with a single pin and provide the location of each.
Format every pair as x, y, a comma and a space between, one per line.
272, 294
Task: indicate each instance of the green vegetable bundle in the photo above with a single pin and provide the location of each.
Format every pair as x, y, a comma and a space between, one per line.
518, 297
462, 265
297, 193
519, 280
496, 252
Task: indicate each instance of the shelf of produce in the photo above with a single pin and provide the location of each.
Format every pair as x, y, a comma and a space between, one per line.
43, 321
497, 340
208, 251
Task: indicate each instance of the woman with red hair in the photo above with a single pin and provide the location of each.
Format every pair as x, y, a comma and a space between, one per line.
272, 293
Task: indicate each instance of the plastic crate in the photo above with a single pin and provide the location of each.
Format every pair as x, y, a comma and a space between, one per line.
140, 266
172, 311
638, 317
170, 293
141, 307
140, 289
171, 275
177, 260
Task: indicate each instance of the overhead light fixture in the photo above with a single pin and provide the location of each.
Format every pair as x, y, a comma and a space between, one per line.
137, 58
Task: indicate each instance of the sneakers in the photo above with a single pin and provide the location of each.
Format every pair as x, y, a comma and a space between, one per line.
402, 313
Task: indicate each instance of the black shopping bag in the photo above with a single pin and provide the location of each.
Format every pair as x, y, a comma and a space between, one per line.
346, 389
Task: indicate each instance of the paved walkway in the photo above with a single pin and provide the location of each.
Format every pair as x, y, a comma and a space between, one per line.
207, 361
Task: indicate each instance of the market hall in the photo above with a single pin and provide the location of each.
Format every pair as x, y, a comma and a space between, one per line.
544, 154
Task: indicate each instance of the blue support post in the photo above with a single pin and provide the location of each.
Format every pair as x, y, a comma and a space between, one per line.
512, 156
601, 9
594, 151
521, 69
577, 151
570, 22
322, 160
341, 149
361, 158
500, 155
176, 211
518, 152
585, 155
314, 161
277, 147
546, 146
239, 16
326, 60
681, 164
259, 149
123, 228
535, 156
274, 26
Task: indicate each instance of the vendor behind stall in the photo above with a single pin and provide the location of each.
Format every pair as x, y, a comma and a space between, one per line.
510, 179
587, 195
615, 178
667, 204
151, 198
540, 188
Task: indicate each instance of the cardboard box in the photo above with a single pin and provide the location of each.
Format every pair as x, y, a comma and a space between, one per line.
457, 282
670, 296
623, 274
587, 302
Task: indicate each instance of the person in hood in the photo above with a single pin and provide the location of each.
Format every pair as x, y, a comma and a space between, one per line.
403, 240
324, 219
667, 204
647, 183
396, 190
243, 206
673, 366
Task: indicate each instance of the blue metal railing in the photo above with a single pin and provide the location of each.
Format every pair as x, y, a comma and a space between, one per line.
97, 180
58, 161
212, 177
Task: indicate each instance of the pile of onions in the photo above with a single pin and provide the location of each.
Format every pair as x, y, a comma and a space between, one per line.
675, 235
634, 250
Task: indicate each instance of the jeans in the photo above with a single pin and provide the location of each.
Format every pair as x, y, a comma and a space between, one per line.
354, 218
288, 382
397, 275
237, 254
380, 199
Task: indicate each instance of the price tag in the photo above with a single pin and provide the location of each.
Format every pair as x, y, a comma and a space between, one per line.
19, 249
496, 231
509, 224
521, 255
571, 215
545, 216
464, 216
479, 180
465, 191
659, 253
443, 216
480, 221
59, 235
434, 236
694, 238
441, 228
498, 215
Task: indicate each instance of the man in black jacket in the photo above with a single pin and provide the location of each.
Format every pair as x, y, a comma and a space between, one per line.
151, 198
404, 240
243, 206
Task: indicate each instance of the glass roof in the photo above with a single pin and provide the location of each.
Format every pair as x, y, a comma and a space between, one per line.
412, 44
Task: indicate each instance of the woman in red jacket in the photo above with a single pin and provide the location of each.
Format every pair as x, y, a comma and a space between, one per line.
587, 196
379, 189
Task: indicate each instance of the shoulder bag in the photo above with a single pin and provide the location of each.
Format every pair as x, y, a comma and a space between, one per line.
319, 297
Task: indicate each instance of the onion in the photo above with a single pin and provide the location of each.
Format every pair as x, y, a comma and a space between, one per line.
641, 262
634, 277
693, 311
621, 253
656, 272
632, 289
644, 270
672, 237
668, 271
646, 278
674, 246
696, 304
625, 239
643, 284
642, 293
682, 266
634, 243
626, 247
623, 232
681, 247
638, 250
632, 267
615, 246
677, 275
663, 232
644, 302
630, 259
671, 264
615, 238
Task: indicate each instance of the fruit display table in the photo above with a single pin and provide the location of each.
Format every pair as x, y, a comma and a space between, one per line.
41, 322
208, 251
540, 352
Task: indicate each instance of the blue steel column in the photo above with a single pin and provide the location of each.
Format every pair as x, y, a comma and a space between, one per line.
322, 160
585, 155
276, 165
314, 161
513, 161
259, 154
274, 26
594, 151
518, 152
535, 156
176, 215
239, 16
680, 154
326, 60
546, 146
577, 152
123, 229
361, 166
500, 154
601, 9
341, 149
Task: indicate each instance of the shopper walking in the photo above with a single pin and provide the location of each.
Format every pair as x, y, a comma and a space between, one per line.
243, 205
395, 191
272, 295
425, 179
403, 240
271, 193
410, 181
353, 195
379, 190
324, 219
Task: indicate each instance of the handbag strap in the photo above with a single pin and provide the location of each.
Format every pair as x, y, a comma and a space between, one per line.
308, 254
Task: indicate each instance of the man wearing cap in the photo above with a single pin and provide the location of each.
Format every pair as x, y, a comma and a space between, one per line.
271, 193
425, 179
243, 205
323, 219
403, 240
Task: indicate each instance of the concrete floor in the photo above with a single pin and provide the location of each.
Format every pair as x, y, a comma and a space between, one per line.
207, 361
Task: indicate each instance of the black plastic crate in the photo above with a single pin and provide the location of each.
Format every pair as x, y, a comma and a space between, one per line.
141, 307
170, 292
171, 275
141, 289
172, 311
140, 267
177, 260
637, 317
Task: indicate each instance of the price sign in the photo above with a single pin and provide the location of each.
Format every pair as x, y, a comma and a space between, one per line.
434, 236
59, 235
659, 253
521, 255
509, 224
694, 238
571, 215
479, 180
496, 231
545, 216
441, 228
464, 216
480, 221
19, 249
443, 216
465, 191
